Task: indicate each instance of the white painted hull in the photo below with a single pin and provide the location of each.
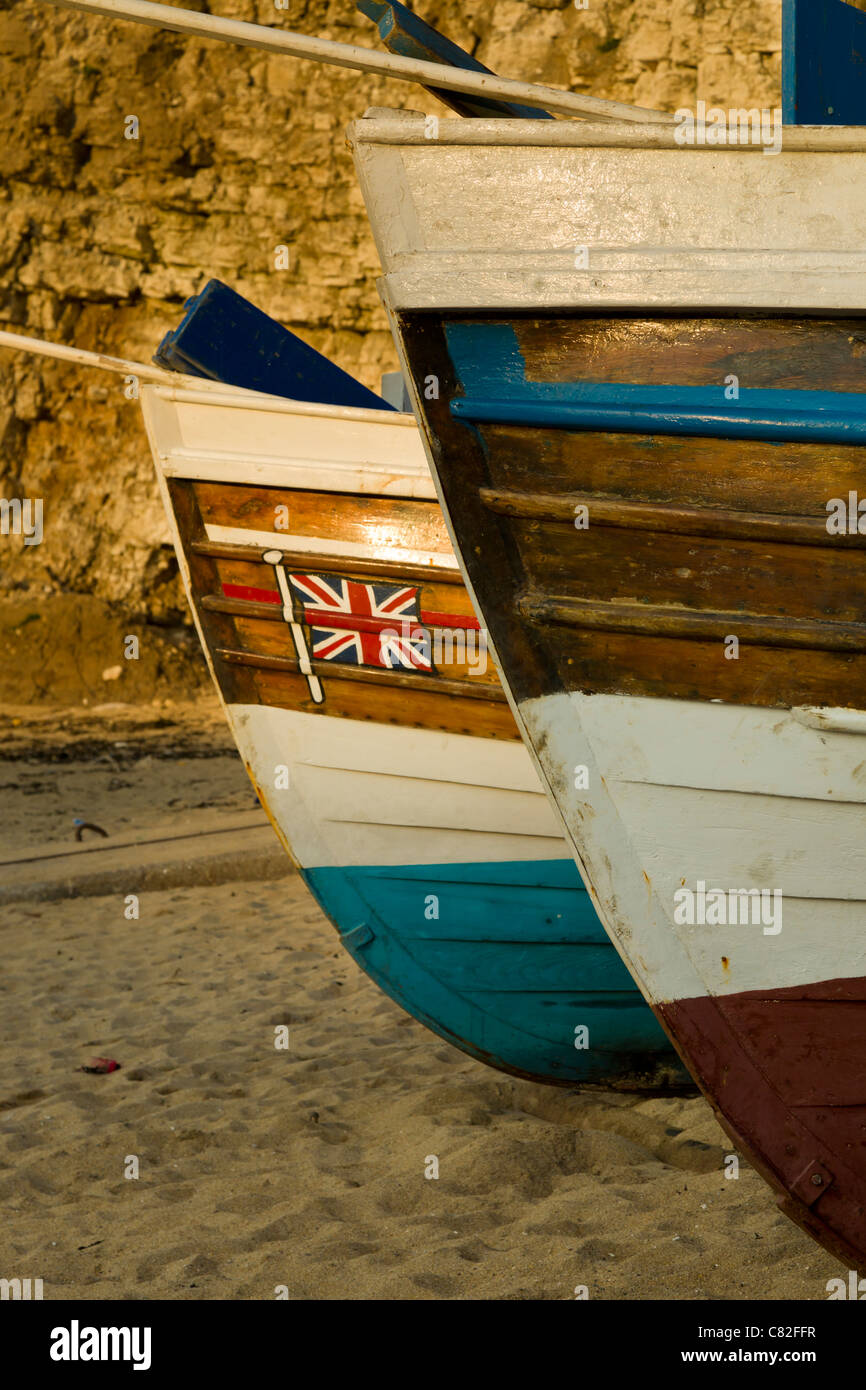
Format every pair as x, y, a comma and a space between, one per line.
681, 793
244, 437
370, 794
495, 214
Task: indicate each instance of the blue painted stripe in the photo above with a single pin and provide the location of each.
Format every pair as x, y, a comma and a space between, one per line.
492, 374
515, 959
745, 420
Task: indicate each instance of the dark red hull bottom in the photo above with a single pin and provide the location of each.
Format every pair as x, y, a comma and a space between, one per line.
785, 1071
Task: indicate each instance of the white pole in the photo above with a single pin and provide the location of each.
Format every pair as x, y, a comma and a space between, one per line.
275, 558
347, 55
42, 348
144, 371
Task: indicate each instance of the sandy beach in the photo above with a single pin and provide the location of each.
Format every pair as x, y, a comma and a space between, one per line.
305, 1167
146, 912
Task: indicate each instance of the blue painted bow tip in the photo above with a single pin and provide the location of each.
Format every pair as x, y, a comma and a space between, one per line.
515, 970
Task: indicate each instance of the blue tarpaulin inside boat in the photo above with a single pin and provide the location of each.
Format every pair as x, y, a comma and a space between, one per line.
225, 338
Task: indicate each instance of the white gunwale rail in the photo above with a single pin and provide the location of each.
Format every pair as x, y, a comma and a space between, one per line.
383, 126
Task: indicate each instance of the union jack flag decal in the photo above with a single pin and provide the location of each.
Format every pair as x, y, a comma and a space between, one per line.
358, 624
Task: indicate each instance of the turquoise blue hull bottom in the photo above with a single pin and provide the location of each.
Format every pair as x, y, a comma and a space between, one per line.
508, 961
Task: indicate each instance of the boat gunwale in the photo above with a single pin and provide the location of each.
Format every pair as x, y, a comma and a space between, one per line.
410, 128
241, 398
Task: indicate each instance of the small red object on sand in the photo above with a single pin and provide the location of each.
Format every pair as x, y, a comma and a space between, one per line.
102, 1064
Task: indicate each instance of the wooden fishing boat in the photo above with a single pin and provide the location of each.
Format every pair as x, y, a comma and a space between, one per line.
566, 299
355, 679
639, 366
356, 682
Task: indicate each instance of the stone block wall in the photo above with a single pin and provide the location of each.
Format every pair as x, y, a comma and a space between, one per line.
102, 238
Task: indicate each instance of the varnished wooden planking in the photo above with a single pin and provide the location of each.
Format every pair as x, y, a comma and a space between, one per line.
217, 628
246, 607
244, 636
709, 624
415, 709
381, 522
804, 354
702, 572
452, 682
482, 533
664, 518
334, 564
769, 587
666, 667
746, 475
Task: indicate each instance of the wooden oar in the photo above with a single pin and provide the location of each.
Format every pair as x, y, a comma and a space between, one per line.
405, 33
347, 55
144, 371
